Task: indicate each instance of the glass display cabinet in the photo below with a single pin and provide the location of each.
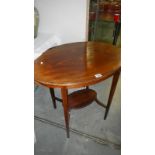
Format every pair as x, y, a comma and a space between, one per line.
102, 25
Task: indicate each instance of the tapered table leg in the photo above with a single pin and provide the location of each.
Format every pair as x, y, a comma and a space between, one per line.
64, 94
53, 97
112, 90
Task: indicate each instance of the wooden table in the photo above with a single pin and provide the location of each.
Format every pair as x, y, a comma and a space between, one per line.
78, 65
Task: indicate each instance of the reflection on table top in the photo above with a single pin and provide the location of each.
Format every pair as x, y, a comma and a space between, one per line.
76, 64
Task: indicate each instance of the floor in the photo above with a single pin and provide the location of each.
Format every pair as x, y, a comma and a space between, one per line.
90, 134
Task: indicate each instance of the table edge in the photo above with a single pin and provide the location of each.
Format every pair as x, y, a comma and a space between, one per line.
79, 84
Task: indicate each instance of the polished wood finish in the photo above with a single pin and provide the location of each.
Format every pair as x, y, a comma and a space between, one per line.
58, 99
112, 90
78, 65
64, 94
81, 98
75, 65
53, 97
100, 103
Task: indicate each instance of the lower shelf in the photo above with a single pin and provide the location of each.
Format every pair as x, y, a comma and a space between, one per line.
81, 98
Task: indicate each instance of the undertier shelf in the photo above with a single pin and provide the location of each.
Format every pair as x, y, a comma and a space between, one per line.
81, 98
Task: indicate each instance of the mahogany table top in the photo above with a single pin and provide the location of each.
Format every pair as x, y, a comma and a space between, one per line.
77, 64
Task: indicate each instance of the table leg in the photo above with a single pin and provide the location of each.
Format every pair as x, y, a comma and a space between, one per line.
112, 90
53, 97
64, 94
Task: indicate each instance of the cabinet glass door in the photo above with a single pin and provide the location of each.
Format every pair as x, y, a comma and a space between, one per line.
101, 20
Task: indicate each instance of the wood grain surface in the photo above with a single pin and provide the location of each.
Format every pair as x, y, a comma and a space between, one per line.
76, 64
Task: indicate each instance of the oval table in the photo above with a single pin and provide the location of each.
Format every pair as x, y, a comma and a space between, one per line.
77, 65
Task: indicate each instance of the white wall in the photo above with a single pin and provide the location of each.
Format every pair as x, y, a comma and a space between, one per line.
65, 18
